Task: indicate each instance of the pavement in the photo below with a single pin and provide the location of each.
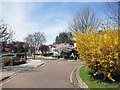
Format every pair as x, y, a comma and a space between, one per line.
79, 79
9, 71
53, 74
47, 58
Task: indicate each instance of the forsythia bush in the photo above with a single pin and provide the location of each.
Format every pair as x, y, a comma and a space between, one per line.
100, 50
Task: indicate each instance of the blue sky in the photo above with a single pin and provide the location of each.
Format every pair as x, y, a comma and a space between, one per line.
48, 17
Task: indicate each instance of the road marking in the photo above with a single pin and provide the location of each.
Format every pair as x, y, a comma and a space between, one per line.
43, 64
72, 74
16, 76
10, 79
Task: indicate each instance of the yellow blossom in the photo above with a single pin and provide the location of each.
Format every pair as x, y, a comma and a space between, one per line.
99, 50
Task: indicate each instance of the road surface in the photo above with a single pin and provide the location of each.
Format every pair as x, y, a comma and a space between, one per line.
53, 74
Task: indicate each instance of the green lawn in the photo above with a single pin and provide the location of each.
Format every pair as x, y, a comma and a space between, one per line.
34, 58
95, 82
69, 60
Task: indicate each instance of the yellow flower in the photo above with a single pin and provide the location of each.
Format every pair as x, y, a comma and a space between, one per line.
104, 27
99, 50
95, 74
102, 23
107, 22
111, 61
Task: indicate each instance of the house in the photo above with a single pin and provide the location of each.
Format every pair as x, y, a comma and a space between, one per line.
8, 48
74, 46
12, 47
1, 47
52, 49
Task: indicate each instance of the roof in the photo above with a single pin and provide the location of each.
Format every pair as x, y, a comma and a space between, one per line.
7, 49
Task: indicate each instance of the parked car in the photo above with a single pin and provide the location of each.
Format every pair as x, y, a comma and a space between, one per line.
29, 54
8, 55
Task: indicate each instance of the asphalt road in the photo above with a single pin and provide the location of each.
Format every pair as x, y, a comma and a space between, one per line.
53, 74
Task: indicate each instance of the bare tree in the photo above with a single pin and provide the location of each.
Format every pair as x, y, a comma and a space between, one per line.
35, 40
84, 20
112, 11
6, 32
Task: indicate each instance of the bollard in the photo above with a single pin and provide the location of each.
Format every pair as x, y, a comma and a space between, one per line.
11, 62
21, 59
25, 59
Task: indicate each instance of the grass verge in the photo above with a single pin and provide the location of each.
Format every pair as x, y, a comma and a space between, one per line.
95, 82
34, 58
69, 60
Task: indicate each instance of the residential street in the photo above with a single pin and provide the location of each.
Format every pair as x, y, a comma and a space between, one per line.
53, 74
59, 44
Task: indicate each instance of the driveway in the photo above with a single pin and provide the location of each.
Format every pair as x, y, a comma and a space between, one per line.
53, 74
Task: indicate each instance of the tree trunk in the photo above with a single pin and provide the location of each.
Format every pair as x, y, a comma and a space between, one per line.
63, 55
34, 52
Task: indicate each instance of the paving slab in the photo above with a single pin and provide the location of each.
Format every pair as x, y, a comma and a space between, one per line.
8, 71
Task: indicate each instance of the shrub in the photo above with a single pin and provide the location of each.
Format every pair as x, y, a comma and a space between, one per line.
100, 50
47, 54
21, 55
37, 54
61, 56
6, 61
16, 59
66, 55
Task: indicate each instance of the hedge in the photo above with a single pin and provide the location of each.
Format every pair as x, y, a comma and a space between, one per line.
47, 54
6, 61
21, 55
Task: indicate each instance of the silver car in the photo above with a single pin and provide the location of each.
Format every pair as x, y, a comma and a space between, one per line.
8, 55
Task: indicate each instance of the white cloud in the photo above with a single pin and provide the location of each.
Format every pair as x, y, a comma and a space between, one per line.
17, 15
0, 12
54, 30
